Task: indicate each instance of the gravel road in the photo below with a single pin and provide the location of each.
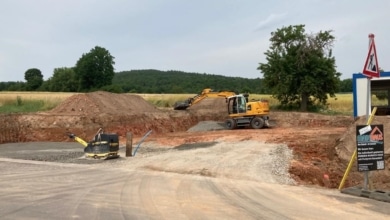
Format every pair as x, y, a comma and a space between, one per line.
249, 160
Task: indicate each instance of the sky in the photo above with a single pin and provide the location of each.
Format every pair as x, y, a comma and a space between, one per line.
221, 37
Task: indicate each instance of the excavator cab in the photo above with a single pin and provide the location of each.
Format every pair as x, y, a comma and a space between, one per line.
236, 104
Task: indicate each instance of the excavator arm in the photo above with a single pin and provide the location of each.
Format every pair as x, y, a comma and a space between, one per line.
206, 93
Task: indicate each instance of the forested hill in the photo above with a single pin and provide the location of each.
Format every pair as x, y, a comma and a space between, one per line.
156, 81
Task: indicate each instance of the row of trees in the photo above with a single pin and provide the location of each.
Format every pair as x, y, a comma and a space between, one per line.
300, 70
155, 81
94, 70
148, 81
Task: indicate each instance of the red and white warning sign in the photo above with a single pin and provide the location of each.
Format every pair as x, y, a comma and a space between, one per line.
371, 68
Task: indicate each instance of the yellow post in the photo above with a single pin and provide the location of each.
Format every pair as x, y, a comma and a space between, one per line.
354, 154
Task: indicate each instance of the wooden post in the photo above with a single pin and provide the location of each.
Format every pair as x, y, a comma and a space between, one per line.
129, 144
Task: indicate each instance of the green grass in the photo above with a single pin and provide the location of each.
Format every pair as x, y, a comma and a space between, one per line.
21, 106
24, 102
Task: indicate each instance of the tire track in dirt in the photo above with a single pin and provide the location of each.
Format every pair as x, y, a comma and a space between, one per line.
146, 197
251, 205
186, 200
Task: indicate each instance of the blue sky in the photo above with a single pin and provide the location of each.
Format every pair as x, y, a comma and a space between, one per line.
223, 37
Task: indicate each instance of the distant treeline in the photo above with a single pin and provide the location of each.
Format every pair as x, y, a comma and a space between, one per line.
155, 81
158, 82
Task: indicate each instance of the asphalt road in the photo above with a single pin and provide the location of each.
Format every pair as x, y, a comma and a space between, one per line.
76, 188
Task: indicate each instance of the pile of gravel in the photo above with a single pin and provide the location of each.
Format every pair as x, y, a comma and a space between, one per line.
281, 156
207, 126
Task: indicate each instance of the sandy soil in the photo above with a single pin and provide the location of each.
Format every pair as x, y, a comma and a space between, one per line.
321, 145
241, 179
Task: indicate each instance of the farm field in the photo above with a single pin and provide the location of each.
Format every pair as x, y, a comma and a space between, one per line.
341, 104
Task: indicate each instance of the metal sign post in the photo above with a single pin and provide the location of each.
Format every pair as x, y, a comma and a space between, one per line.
370, 69
366, 173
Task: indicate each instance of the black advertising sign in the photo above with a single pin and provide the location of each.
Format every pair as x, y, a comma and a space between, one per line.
370, 147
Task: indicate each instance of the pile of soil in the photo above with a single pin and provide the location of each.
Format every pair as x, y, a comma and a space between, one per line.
84, 114
100, 102
211, 106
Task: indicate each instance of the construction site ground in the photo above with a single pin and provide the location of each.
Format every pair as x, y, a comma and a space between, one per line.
299, 150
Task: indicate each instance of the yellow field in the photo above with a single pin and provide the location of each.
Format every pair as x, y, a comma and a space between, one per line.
343, 103
52, 97
36, 95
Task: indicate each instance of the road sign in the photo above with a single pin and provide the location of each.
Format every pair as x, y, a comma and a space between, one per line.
370, 147
371, 68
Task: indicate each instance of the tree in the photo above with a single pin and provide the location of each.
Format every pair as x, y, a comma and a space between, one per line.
34, 79
300, 68
63, 80
12, 86
346, 85
94, 69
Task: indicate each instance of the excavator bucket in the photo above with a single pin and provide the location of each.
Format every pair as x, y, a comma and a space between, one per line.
183, 105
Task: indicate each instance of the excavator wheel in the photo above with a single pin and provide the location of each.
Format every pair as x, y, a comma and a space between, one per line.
230, 124
257, 123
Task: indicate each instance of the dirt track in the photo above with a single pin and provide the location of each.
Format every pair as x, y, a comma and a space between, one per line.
206, 180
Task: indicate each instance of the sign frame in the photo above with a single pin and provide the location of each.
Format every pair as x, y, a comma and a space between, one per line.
371, 67
370, 147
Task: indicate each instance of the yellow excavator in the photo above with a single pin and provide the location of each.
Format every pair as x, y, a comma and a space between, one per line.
206, 93
102, 146
243, 113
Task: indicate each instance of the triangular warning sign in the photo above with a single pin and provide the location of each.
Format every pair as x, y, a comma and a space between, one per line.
371, 68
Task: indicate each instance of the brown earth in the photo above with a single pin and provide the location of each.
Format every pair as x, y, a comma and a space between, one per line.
322, 144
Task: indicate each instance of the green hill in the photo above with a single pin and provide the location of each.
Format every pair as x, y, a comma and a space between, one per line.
156, 81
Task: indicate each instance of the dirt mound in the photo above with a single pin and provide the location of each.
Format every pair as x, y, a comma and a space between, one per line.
347, 142
214, 105
96, 103
346, 145
306, 119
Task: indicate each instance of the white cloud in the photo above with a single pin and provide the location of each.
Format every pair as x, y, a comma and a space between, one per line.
271, 21
220, 37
